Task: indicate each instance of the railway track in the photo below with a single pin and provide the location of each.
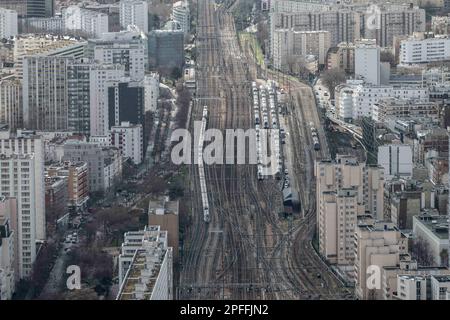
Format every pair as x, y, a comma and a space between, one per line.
245, 251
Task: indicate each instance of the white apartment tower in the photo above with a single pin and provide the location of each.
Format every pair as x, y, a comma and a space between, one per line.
8, 23
134, 13
99, 78
26, 143
182, 15
396, 159
90, 22
18, 180
127, 48
367, 61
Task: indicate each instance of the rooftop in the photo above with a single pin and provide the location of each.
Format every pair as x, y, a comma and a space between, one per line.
437, 224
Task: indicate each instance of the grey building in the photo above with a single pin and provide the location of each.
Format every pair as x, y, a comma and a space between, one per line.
166, 49
128, 48
104, 164
44, 93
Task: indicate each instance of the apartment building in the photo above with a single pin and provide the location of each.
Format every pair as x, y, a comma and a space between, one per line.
342, 57
29, 45
18, 180
87, 22
87, 92
377, 245
128, 138
135, 13
342, 24
8, 23
104, 163
367, 61
128, 48
389, 108
28, 143
289, 44
424, 49
76, 174
395, 286
356, 99
11, 112
182, 15
393, 20
145, 266
151, 87
53, 25
8, 247
45, 105
396, 159
345, 189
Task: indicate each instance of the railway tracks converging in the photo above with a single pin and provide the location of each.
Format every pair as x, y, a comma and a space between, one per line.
246, 251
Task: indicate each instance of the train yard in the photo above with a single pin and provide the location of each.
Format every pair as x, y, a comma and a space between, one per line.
239, 244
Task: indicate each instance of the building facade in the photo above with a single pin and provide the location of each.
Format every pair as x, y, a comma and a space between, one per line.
134, 12
8, 23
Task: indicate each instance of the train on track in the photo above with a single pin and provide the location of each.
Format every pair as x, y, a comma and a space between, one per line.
315, 137
201, 168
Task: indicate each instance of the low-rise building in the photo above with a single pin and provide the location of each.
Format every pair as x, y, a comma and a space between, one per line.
164, 213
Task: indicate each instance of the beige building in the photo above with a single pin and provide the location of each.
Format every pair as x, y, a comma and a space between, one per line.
342, 57
29, 45
345, 189
377, 245
164, 213
393, 288
290, 44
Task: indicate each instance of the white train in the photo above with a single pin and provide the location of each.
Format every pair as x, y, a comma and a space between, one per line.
201, 168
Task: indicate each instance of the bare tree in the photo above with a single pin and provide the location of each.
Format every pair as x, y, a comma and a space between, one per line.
444, 258
262, 34
420, 250
387, 56
331, 78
